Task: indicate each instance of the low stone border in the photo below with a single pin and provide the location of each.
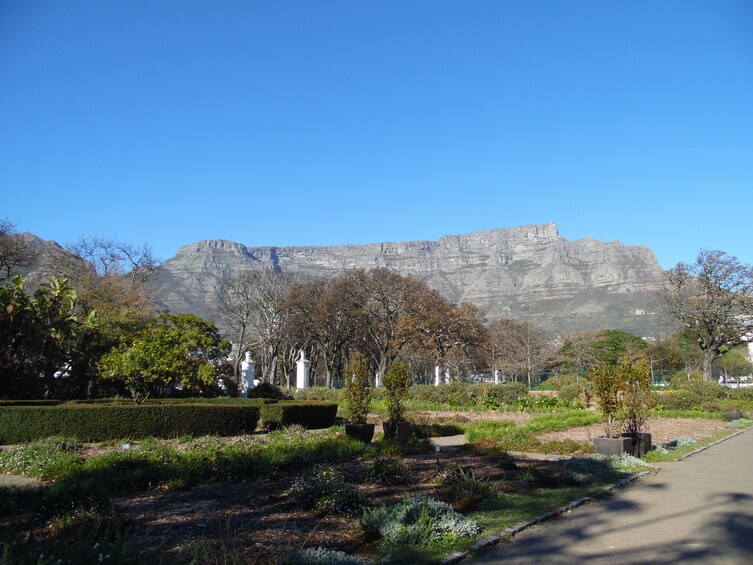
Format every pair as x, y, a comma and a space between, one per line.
519, 527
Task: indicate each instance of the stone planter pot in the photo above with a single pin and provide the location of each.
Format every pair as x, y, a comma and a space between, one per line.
640, 447
612, 445
396, 430
361, 432
732, 415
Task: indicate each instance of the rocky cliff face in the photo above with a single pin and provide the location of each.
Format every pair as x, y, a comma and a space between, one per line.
525, 272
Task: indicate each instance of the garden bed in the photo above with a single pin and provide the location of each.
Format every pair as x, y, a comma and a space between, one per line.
662, 430
254, 518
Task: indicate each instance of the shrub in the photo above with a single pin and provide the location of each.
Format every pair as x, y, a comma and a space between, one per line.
695, 395
581, 391
267, 390
100, 422
320, 393
290, 412
324, 489
319, 556
397, 379
358, 388
506, 394
462, 486
417, 520
29, 402
622, 390
389, 471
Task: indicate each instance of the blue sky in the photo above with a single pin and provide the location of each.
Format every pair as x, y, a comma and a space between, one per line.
333, 122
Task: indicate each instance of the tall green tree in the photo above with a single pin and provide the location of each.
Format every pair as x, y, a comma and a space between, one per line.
39, 334
181, 351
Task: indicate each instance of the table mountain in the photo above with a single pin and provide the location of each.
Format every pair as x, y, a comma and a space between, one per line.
524, 272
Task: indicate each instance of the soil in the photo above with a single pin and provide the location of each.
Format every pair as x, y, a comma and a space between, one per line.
258, 520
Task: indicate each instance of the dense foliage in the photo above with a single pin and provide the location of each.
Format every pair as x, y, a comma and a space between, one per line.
180, 351
100, 422
358, 388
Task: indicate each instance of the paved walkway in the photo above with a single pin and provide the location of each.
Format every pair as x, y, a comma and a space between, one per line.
699, 510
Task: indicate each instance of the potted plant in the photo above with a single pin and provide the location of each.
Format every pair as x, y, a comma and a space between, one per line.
636, 401
608, 380
358, 398
396, 381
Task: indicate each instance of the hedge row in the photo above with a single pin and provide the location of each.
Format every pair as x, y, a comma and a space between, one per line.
100, 422
29, 402
308, 414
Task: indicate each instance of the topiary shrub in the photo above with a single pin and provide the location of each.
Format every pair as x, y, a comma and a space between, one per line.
309, 414
358, 388
397, 380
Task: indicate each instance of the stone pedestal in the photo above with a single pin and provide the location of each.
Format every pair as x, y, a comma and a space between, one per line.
247, 374
437, 376
303, 369
496, 376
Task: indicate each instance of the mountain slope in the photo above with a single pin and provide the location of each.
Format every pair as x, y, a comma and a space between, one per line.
525, 272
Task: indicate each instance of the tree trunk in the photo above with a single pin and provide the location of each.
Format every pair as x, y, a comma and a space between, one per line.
708, 365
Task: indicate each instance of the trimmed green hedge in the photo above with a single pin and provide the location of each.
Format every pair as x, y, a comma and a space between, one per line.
100, 422
29, 402
309, 414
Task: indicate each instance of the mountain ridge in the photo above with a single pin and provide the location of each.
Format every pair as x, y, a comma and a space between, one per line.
525, 272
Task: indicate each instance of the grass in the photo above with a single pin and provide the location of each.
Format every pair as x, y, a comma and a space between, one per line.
506, 435
667, 413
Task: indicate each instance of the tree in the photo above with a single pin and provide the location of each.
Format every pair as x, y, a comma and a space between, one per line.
734, 363
39, 335
253, 310
15, 251
713, 300
581, 352
181, 351
115, 281
518, 347
323, 313
387, 299
445, 331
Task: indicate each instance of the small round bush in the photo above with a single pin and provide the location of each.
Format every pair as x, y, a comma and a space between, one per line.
389, 471
324, 489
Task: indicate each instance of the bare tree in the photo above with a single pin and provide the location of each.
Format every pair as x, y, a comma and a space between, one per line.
117, 258
386, 298
253, 308
114, 278
236, 300
713, 300
519, 347
446, 330
323, 313
15, 250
